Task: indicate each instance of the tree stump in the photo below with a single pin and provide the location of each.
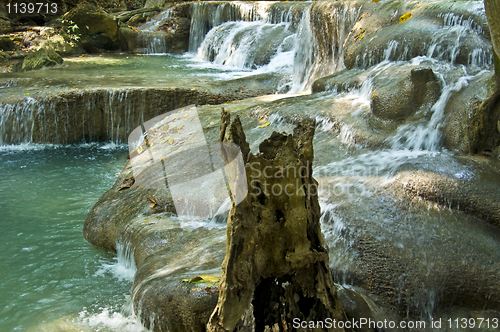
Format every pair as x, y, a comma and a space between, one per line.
276, 275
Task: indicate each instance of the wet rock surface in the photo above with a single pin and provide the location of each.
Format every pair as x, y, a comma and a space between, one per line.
392, 258
464, 126
156, 238
397, 100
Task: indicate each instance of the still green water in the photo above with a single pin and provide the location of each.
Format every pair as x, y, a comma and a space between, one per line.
48, 271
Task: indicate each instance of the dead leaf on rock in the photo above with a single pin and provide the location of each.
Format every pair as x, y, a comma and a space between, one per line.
152, 200
127, 183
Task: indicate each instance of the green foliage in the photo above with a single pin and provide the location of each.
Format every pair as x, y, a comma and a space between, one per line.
72, 29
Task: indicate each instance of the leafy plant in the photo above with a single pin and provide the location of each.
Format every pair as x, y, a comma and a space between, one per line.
71, 28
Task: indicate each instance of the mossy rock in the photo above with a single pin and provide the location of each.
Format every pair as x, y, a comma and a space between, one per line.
7, 44
92, 20
4, 56
42, 58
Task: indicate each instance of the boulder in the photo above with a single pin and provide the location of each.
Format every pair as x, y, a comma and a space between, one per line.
415, 256
343, 80
97, 29
129, 39
399, 98
44, 57
465, 125
178, 38
7, 44
479, 198
4, 56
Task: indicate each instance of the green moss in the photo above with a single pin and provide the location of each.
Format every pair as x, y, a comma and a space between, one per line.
42, 58
496, 62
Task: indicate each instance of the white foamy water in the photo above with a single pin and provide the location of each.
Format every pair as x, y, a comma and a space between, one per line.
113, 321
123, 268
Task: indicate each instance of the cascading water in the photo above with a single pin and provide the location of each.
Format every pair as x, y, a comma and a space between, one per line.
245, 44
207, 15
271, 39
153, 41
17, 120
319, 44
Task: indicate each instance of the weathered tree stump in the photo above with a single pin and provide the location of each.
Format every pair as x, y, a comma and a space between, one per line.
276, 275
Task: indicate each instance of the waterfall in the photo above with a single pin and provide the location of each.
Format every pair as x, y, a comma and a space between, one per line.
152, 40
320, 41
305, 53
455, 39
123, 268
427, 136
245, 44
17, 121
206, 15
291, 39
103, 114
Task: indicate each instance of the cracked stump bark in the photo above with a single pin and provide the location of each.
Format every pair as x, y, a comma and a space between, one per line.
276, 265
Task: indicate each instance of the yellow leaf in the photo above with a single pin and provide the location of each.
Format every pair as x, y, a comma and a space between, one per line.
202, 279
265, 125
359, 36
375, 0
185, 115
171, 141
373, 95
209, 278
27, 93
405, 17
